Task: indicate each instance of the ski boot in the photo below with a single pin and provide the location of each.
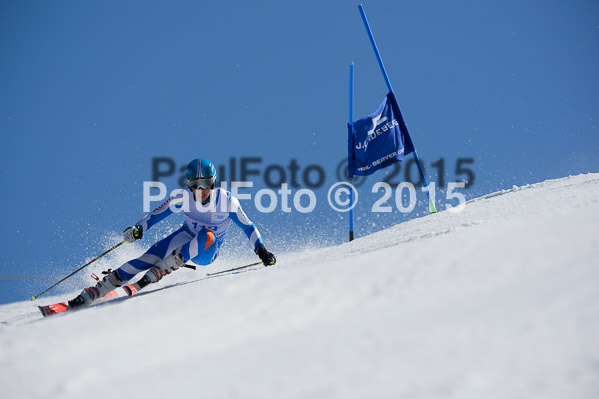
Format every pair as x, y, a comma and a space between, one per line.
108, 284
168, 265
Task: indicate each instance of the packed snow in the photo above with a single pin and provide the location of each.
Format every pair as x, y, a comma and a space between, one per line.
498, 301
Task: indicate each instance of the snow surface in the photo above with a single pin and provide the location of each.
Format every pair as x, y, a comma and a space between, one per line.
498, 301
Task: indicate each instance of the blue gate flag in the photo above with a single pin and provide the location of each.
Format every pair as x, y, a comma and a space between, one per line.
378, 140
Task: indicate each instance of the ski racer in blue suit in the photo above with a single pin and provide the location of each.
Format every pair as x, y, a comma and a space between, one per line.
208, 215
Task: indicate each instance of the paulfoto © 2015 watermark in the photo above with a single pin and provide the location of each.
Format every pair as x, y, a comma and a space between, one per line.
291, 187
314, 176
341, 197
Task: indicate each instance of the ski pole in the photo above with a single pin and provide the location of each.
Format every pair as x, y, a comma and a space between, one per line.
235, 268
81, 268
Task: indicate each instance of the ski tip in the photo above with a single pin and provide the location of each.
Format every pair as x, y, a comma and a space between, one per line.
53, 309
33, 298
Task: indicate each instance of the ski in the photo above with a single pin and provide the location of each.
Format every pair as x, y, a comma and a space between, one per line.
128, 291
55, 308
60, 307
131, 289
134, 288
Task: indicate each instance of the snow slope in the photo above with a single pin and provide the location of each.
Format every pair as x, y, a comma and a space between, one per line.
499, 301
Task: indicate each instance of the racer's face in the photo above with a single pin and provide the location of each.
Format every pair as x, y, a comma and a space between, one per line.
202, 194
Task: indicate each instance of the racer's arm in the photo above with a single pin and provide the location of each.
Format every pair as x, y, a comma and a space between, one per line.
251, 231
238, 216
156, 215
133, 233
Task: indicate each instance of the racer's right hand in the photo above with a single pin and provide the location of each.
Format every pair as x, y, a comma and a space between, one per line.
133, 233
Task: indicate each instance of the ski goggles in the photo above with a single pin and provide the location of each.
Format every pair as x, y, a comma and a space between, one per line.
203, 183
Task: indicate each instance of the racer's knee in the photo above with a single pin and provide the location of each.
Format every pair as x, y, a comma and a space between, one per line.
205, 239
203, 249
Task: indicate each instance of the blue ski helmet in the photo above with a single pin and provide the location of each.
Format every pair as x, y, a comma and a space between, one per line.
200, 174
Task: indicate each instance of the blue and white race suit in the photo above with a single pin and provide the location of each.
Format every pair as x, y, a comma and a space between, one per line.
202, 233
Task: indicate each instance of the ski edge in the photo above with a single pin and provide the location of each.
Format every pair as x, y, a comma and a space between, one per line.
61, 307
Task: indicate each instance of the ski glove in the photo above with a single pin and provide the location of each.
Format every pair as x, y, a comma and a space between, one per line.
267, 257
133, 233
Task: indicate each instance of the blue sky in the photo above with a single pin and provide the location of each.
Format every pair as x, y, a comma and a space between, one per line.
92, 91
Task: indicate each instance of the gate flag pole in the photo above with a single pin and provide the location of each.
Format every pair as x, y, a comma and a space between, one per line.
350, 126
431, 203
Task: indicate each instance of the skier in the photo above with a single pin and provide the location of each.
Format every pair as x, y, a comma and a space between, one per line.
208, 215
